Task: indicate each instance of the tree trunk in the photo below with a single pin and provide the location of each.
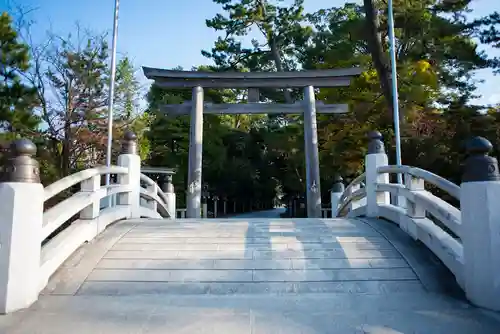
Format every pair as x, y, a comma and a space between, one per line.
66, 150
378, 56
279, 65
275, 52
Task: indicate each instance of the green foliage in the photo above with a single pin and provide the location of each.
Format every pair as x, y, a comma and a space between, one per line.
75, 111
252, 158
127, 89
280, 27
282, 32
17, 99
126, 106
248, 157
233, 161
488, 30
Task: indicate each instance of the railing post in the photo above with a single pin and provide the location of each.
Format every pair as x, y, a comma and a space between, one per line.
21, 219
354, 204
480, 233
216, 203
168, 189
413, 209
130, 159
375, 158
91, 185
204, 206
336, 193
152, 204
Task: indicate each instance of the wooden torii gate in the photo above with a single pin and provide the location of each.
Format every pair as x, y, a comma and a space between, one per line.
252, 81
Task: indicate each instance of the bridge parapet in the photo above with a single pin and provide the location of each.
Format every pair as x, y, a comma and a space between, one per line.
466, 238
35, 242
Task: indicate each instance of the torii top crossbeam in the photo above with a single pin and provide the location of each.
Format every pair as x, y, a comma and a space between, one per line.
189, 79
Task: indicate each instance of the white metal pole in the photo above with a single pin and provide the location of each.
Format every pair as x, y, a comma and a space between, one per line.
112, 93
112, 89
395, 99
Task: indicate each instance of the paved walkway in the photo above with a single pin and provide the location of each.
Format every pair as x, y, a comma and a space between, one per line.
255, 275
274, 213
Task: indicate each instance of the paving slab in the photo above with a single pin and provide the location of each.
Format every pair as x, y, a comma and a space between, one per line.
310, 314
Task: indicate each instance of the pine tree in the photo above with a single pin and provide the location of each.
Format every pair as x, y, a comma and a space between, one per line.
17, 100
127, 90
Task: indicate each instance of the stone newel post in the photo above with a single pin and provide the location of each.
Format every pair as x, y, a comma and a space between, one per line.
168, 189
216, 205
375, 158
130, 159
480, 234
336, 193
224, 208
204, 206
21, 219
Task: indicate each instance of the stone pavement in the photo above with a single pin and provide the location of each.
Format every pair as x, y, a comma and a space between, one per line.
255, 275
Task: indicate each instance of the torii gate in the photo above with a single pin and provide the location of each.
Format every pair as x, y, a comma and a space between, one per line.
252, 81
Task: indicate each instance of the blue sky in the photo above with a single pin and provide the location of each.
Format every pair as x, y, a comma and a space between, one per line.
169, 33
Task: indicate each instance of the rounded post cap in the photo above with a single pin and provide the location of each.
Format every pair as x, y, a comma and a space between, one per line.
338, 184
374, 135
337, 178
479, 166
129, 136
21, 166
129, 143
23, 147
376, 145
478, 145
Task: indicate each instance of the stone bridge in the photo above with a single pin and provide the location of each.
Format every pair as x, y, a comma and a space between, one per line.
396, 258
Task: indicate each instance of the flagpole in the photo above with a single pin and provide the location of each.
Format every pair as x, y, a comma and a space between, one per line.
112, 90
395, 99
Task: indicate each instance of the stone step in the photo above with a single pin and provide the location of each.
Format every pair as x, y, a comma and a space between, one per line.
297, 264
221, 246
253, 254
122, 288
251, 240
255, 275
250, 257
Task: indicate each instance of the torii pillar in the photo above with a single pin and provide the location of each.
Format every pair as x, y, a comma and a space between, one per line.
193, 202
313, 188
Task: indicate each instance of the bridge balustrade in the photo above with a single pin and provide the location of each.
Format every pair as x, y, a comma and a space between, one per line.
35, 242
466, 238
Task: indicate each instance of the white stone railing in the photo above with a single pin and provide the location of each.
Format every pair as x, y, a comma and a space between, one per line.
92, 220
87, 203
159, 203
352, 197
36, 242
81, 202
415, 208
465, 239
413, 211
